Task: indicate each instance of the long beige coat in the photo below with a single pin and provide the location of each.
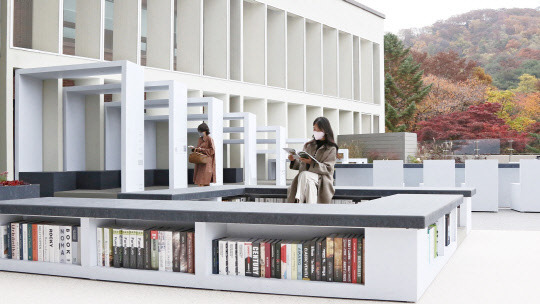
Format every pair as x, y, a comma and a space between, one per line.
326, 155
205, 174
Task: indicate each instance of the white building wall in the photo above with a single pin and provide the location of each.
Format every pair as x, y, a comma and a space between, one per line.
319, 57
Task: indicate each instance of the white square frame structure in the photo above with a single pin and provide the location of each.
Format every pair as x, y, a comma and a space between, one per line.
279, 142
214, 117
249, 131
74, 129
29, 115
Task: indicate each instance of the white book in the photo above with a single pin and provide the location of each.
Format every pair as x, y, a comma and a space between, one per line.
25, 241
62, 245
15, 253
299, 251
168, 251
289, 264
107, 237
3, 242
241, 258
68, 258
294, 270
222, 260
248, 245
76, 245
231, 259
161, 250
40, 243
99, 246
46, 247
56, 243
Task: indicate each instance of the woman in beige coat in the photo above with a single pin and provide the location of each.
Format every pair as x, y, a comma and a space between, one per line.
315, 181
205, 174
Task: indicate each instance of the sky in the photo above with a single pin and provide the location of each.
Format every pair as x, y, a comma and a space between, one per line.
403, 14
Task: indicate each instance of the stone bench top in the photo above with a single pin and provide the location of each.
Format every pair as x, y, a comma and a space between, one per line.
342, 192
397, 211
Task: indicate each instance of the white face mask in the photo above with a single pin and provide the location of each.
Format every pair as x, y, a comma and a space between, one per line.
201, 134
318, 135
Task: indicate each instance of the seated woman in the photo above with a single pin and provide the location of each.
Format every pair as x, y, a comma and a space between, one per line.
205, 174
315, 181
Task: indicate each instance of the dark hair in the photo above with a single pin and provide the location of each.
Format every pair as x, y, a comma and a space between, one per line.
203, 128
324, 125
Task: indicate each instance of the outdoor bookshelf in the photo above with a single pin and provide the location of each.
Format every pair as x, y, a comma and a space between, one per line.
395, 230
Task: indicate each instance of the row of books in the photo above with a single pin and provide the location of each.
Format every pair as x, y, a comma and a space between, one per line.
335, 258
280, 200
156, 248
41, 241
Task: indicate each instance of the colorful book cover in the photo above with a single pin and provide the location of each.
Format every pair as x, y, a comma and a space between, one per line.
40, 242
330, 258
349, 258
176, 251
359, 262
191, 251
284, 261
29, 242
154, 238
268, 257
338, 258
9, 242
363, 272
15, 253
47, 234
248, 248
354, 260
273, 259
35, 245
345, 259
162, 250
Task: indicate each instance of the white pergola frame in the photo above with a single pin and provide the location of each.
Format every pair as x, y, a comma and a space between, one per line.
176, 102
279, 143
249, 131
29, 115
214, 117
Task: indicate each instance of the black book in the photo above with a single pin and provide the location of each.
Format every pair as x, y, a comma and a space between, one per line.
273, 259
117, 247
147, 249
312, 258
323, 260
278, 259
447, 229
21, 246
133, 249
141, 249
215, 256
256, 271
306, 246
9, 253
125, 248
318, 259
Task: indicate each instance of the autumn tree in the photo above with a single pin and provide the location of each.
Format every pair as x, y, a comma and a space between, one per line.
448, 65
404, 88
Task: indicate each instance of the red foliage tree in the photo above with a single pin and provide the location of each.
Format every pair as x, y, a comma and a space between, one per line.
446, 65
477, 122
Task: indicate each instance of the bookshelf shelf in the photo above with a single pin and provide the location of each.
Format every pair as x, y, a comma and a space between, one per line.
397, 264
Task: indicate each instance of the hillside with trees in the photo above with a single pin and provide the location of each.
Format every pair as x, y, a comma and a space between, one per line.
504, 42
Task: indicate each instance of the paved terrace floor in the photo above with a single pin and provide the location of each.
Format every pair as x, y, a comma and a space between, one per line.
497, 263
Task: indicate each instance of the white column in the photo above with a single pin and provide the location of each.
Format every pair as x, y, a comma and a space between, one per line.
250, 149
127, 30
159, 35
357, 83
52, 125
378, 74
366, 124
47, 27
89, 28
189, 36
236, 48
236, 105
132, 111
281, 156
346, 125
177, 136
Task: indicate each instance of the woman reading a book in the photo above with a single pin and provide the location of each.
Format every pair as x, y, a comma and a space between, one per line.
315, 180
205, 174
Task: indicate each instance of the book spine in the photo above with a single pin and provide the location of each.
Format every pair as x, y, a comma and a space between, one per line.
249, 258
255, 253
35, 247
262, 259
183, 251
363, 264
330, 259
215, 256
147, 250
117, 248
299, 265
305, 261
231, 258
323, 261
318, 260
273, 260
62, 244
354, 260
289, 261
140, 249
68, 245
284, 261
154, 246
40, 243
169, 251
338, 260
76, 245
191, 251
99, 246
268, 258
56, 238
162, 250
3, 242
52, 241
349, 259
106, 250
222, 257
126, 235
15, 241
133, 249
294, 265
176, 251
345, 260
46, 246
9, 242
278, 259
24, 241
241, 258
29, 242
312, 260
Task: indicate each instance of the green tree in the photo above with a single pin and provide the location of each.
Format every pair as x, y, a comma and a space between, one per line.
403, 85
527, 84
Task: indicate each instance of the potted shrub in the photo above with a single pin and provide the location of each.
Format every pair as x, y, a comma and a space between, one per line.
16, 189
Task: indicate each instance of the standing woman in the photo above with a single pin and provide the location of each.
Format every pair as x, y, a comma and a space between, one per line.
205, 173
315, 181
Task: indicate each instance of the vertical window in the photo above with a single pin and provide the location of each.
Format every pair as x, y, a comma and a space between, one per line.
22, 23
144, 30
70, 13
109, 25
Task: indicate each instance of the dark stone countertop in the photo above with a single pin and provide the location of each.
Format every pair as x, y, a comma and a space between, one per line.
397, 211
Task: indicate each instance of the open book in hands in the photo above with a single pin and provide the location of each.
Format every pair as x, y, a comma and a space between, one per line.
301, 154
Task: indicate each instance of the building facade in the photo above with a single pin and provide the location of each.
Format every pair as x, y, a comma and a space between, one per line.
287, 62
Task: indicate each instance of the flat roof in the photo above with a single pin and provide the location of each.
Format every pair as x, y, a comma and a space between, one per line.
366, 8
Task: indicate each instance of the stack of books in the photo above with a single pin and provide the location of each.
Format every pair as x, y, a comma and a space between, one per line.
41, 241
335, 258
156, 248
